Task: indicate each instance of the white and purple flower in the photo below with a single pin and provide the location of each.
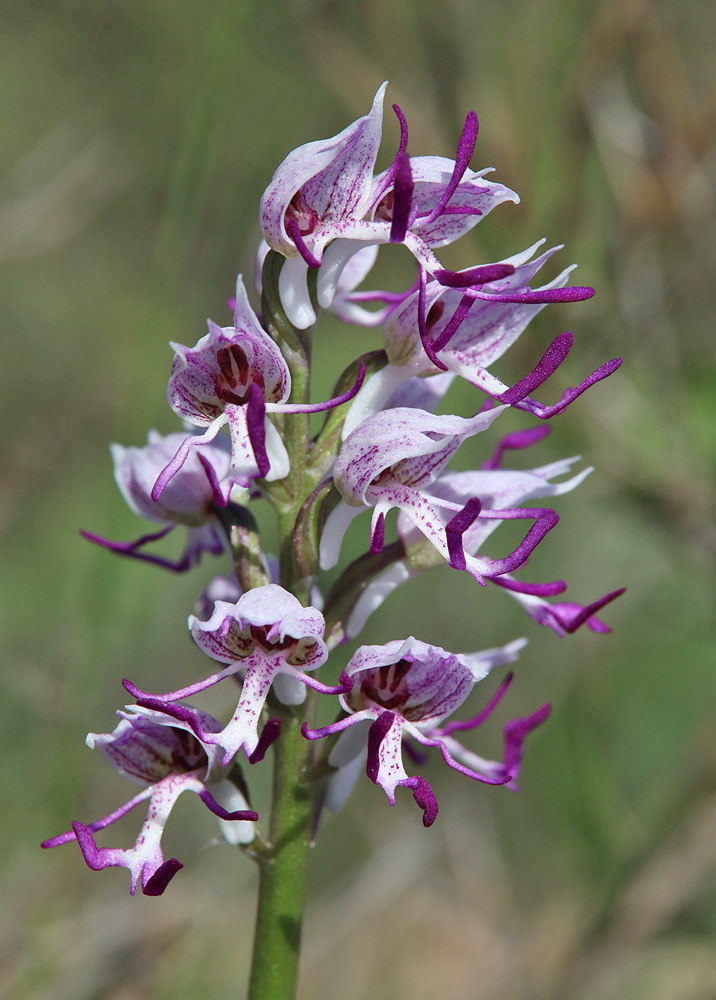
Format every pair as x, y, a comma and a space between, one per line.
269, 636
406, 689
163, 753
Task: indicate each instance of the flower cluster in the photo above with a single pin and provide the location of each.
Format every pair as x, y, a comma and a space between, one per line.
382, 446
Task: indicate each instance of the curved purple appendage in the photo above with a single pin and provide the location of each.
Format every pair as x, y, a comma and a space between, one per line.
294, 232
185, 692
161, 878
256, 425
179, 712
182, 453
403, 187
459, 725
516, 441
424, 797
465, 149
571, 293
571, 616
464, 306
535, 589
546, 519
457, 766
217, 494
550, 361
474, 276
99, 824
390, 173
377, 535
546, 366
130, 549
514, 734
240, 814
333, 729
329, 404
269, 734
422, 323
456, 528
376, 735
96, 858
344, 685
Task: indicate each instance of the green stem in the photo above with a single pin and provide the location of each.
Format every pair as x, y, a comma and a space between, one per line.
282, 880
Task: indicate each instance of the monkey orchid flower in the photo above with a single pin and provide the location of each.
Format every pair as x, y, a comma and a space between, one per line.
153, 749
390, 460
266, 633
405, 689
236, 376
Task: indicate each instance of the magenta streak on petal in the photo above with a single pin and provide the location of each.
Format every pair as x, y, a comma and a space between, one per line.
546, 366
219, 499
99, 824
515, 732
247, 815
402, 199
378, 535
475, 276
461, 210
329, 404
255, 422
515, 442
462, 724
130, 549
422, 324
535, 589
376, 734
465, 149
456, 528
546, 520
269, 734
573, 293
294, 232
161, 878
465, 305
186, 692
424, 797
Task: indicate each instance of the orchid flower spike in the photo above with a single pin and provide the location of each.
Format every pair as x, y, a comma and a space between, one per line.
404, 689
201, 485
154, 749
269, 636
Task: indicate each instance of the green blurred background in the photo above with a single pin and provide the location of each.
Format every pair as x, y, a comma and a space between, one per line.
136, 142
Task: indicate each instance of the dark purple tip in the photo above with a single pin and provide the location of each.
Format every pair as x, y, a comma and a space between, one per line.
378, 536
547, 365
475, 276
161, 878
403, 129
294, 232
403, 186
269, 734
376, 735
425, 798
218, 497
456, 528
247, 815
255, 421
